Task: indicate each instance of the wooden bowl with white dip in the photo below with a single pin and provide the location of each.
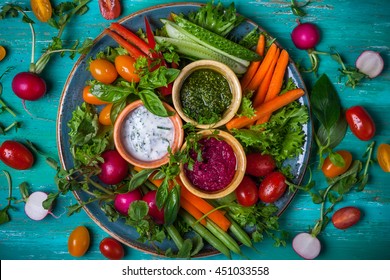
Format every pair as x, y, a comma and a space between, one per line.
142, 138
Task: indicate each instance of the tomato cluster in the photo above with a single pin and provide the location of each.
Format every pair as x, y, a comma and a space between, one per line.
272, 183
107, 72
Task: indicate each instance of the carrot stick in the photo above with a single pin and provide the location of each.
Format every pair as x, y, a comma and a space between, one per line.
252, 69
278, 76
130, 37
190, 208
262, 70
266, 108
259, 96
132, 50
203, 206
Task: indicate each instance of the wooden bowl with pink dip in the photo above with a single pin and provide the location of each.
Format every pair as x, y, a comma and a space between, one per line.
222, 167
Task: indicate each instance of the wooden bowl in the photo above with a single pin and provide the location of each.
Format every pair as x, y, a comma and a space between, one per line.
230, 76
178, 137
239, 170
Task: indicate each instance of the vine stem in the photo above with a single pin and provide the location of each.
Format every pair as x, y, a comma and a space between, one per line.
98, 186
9, 181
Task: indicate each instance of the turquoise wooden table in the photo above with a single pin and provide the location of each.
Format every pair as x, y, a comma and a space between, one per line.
350, 26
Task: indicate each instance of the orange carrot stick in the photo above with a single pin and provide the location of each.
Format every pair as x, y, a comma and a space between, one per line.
252, 69
261, 93
266, 108
190, 208
259, 76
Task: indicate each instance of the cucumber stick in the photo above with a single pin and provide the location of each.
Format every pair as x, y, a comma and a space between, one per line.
176, 32
193, 50
207, 37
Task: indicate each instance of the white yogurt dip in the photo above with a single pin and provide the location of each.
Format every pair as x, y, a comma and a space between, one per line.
147, 136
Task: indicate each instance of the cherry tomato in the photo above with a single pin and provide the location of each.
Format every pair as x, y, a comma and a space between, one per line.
111, 249
42, 9
110, 9
272, 187
360, 123
331, 170
246, 192
3, 53
104, 116
346, 217
16, 155
103, 70
383, 156
124, 65
78, 241
89, 98
259, 165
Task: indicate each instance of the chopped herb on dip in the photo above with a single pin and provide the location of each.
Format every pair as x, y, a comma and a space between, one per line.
147, 136
216, 169
205, 95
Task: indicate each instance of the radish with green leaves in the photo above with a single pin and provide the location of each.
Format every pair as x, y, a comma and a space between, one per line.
122, 201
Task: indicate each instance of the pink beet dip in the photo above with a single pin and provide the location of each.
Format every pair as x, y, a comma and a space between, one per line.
217, 168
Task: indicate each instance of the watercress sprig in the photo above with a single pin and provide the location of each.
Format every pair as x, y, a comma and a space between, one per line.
4, 216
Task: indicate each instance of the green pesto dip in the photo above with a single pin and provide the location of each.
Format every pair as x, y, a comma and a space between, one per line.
205, 96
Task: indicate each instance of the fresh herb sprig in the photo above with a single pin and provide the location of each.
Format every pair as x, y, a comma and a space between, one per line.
297, 9
63, 12
4, 215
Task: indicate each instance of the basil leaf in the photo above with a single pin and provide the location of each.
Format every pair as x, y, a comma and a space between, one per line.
139, 178
162, 194
111, 93
153, 103
335, 134
325, 102
116, 108
172, 205
138, 210
337, 159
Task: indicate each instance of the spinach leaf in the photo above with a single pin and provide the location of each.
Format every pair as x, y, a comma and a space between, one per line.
325, 102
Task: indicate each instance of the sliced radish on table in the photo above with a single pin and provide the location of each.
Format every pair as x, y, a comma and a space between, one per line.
34, 208
306, 245
370, 63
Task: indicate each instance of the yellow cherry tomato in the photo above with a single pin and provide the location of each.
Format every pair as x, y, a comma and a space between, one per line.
3, 53
42, 9
383, 156
331, 170
89, 98
78, 241
104, 116
103, 70
124, 64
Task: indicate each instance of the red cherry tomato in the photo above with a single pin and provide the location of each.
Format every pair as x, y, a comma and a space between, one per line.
103, 70
331, 170
360, 123
272, 187
259, 165
110, 9
78, 241
346, 217
16, 155
246, 192
111, 249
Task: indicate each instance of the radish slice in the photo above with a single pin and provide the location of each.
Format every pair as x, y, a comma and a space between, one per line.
370, 63
306, 245
33, 207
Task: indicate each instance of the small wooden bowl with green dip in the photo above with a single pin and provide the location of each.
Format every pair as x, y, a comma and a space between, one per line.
206, 94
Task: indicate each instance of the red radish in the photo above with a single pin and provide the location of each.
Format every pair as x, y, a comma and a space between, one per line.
156, 214
28, 86
114, 169
370, 63
34, 208
306, 245
122, 201
305, 36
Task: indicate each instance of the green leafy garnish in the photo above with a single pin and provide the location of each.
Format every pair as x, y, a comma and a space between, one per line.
4, 216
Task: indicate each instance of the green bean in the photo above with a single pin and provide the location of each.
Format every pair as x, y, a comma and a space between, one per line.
224, 237
205, 234
175, 235
239, 232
